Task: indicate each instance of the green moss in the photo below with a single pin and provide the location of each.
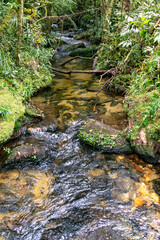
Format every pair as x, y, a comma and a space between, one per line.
12, 101
82, 35
86, 52
6, 130
17, 110
145, 114
103, 137
102, 140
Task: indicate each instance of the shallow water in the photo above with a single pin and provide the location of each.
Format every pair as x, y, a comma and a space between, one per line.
72, 191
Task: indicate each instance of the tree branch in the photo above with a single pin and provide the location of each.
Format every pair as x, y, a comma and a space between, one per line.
66, 16
78, 71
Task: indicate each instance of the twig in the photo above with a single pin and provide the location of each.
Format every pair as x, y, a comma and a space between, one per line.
108, 71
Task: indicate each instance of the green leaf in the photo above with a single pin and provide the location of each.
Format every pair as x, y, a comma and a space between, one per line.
146, 21
135, 22
142, 18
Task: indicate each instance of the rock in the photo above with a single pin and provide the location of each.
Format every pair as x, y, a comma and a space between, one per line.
51, 128
12, 109
103, 234
104, 137
144, 126
96, 172
124, 183
82, 35
26, 152
33, 111
74, 47
86, 52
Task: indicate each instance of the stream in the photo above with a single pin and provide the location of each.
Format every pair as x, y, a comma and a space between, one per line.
72, 191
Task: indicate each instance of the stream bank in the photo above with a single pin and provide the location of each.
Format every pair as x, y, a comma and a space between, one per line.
13, 101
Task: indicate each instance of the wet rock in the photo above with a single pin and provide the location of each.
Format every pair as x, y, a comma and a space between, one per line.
103, 234
24, 152
96, 172
104, 137
51, 128
33, 111
124, 188
124, 183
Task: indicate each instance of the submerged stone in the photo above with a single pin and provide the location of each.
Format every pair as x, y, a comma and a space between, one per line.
96, 172
104, 137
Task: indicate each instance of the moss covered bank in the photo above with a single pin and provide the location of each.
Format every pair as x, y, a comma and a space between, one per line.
12, 98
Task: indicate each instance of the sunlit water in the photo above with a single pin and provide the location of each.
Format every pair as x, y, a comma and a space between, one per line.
72, 191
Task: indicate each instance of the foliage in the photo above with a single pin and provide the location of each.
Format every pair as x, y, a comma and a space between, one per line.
5, 112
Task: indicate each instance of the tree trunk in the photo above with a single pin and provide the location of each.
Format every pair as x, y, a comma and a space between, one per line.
19, 30
106, 11
49, 21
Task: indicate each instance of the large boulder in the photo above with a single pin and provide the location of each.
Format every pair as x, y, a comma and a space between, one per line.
104, 137
11, 109
144, 125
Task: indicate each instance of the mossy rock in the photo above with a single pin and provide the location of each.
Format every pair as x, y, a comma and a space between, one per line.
82, 35
86, 52
104, 137
144, 128
26, 152
34, 112
16, 110
74, 47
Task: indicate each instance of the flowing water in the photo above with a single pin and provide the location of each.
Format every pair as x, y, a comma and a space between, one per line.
71, 191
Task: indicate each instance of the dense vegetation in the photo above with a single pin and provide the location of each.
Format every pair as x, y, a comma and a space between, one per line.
131, 47
128, 34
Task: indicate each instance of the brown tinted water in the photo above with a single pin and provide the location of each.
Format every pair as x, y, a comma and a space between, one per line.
72, 191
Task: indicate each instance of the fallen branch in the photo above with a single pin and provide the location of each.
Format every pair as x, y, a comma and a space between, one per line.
112, 70
78, 71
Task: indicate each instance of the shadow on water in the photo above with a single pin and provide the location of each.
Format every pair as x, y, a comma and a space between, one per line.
72, 191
